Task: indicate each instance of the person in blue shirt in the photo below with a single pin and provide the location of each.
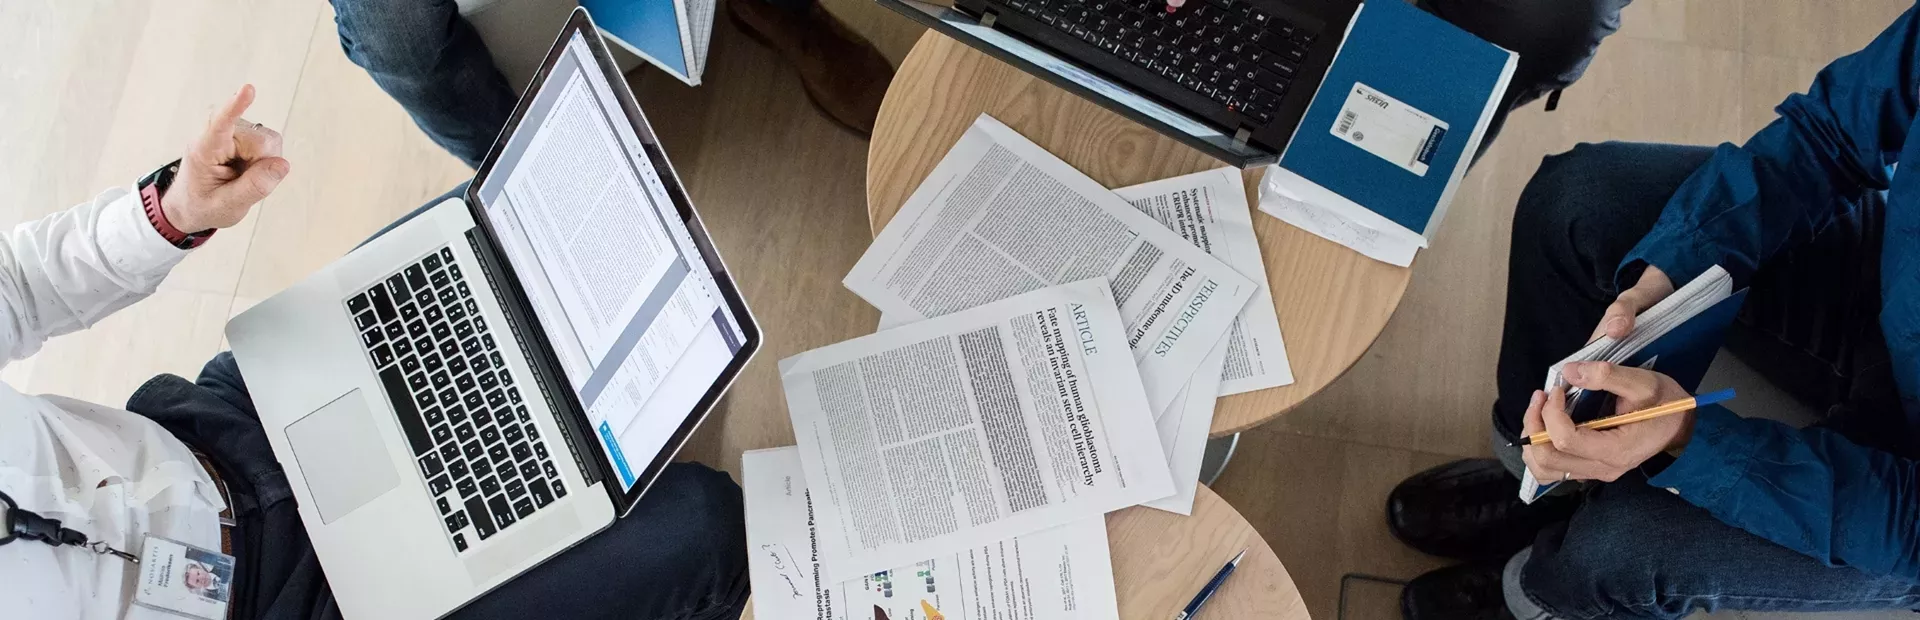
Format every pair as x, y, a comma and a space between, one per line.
1708, 510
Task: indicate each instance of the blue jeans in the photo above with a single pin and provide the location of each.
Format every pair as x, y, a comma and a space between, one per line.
1635, 551
681, 553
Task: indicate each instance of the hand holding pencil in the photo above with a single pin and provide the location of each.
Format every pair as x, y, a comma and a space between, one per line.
1575, 453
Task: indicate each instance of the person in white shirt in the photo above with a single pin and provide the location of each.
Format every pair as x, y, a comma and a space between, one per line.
189, 461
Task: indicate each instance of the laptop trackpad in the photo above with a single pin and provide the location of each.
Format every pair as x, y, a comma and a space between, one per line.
338, 450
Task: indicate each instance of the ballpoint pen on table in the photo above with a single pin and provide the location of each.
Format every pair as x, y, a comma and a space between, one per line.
1200, 600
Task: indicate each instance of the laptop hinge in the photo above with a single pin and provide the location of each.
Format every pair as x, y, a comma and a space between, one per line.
1240, 137
987, 18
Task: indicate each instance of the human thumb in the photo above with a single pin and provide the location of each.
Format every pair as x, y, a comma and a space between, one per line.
254, 185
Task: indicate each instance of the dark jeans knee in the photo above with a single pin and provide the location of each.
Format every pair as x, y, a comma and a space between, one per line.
1555, 39
393, 36
1615, 558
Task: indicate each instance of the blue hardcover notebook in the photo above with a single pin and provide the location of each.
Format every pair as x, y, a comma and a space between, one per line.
671, 34
1392, 129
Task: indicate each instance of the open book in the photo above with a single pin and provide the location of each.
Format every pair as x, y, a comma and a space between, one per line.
671, 34
1677, 337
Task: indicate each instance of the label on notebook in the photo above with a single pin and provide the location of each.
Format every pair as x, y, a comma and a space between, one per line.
1389, 129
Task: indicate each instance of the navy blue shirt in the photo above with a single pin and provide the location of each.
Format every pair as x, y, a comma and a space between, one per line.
1811, 490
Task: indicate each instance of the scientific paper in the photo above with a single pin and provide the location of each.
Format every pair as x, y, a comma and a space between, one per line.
999, 216
1183, 432
1209, 209
998, 421
1064, 573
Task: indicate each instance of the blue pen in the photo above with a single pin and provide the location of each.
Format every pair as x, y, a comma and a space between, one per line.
1220, 578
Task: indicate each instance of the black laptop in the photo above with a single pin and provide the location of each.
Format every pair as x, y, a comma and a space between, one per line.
1231, 78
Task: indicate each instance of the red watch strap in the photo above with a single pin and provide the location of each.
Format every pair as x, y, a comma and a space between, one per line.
150, 200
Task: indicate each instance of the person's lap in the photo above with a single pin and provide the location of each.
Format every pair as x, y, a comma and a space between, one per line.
1632, 550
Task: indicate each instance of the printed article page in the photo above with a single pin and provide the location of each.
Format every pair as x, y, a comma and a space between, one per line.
1063, 573
1209, 209
1183, 433
999, 216
993, 422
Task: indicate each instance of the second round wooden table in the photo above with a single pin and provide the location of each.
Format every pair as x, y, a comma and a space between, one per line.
1332, 301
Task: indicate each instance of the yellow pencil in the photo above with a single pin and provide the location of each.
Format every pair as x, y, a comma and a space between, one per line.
1656, 411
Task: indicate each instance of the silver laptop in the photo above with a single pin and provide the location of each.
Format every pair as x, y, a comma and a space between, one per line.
502, 376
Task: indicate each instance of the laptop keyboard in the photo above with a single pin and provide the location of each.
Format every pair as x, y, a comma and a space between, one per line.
1225, 50
482, 458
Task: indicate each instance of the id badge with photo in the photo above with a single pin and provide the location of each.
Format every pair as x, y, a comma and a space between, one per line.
182, 579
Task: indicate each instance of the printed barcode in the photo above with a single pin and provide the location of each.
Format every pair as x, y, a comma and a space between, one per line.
1346, 122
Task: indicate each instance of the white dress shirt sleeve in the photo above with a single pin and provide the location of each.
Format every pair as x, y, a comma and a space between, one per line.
66, 271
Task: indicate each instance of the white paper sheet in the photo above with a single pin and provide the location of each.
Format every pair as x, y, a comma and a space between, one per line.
1000, 216
1063, 573
981, 425
1183, 433
1209, 209
1284, 195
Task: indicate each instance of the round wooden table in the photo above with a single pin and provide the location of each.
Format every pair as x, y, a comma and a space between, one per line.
1161, 559
1332, 301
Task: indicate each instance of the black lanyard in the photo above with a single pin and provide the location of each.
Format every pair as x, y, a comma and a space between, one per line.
27, 525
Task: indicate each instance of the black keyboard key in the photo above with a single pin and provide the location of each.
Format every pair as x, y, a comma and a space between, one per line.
456, 415
559, 488
523, 507
478, 512
464, 382
398, 283
497, 452
409, 311
466, 487
506, 378
458, 469
395, 331
403, 408
444, 506
449, 296
511, 432
1267, 80
521, 452
464, 291
541, 495
472, 346
551, 472
430, 360
515, 489
482, 417
473, 401
382, 356
365, 320
424, 399
442, 433
449, 452
455, 313
441, 331
440, 279
439, 484
459, 542
522, 411
372, 337
416, 277
416, 328
487, 381
496, 399
473, 451
382, 302
404, 348
454, 270
440, 379
432, 261
481, 467
495, 356
449, 348
490, 435
530, 470
359, 302
506, 471
430, 464
433, 314
462, 329
472, 307
502, 514
424, 297
457, 521
489, 486
449, 397
539, 449
464, 432
434, 417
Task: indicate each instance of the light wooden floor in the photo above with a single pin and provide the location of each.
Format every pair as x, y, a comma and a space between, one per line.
97, 93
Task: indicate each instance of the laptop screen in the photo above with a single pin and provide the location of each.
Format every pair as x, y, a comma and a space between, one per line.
624, 295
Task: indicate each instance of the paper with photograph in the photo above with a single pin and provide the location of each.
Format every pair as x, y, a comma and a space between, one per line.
993, 422
1000, 216
1063, 573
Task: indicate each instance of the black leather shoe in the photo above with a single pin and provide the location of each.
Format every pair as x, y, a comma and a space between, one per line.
1464, 592
1469, 509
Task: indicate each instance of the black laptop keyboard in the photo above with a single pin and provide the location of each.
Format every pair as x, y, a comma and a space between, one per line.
482, 458
1227, 51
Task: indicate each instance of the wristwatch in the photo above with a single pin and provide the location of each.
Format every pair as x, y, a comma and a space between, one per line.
151, 188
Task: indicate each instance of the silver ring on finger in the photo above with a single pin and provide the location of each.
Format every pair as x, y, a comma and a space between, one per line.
1566, 476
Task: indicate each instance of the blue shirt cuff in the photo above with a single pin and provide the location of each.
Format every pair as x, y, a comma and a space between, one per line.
1716, 458
1681, 254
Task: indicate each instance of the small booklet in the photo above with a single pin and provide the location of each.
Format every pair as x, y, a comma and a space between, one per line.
1000, 216
1064, 573
947, 434
1390, 132
671, 34
1677, 337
